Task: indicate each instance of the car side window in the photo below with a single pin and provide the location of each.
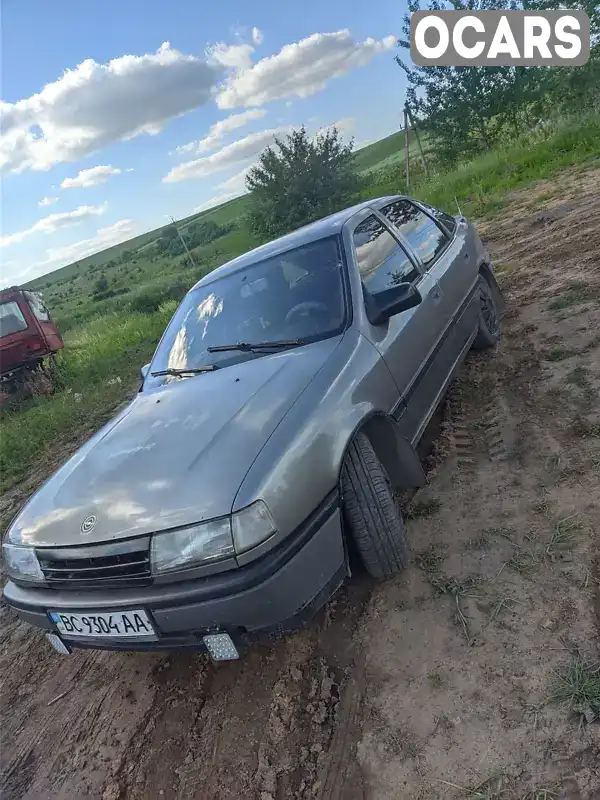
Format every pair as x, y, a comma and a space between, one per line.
382, 261
448, 221
425, 237
36, 304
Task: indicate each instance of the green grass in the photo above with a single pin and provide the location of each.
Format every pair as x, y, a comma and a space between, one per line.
558, 354
435, 678
373, 155
482, 185
99, 365
577, 292
578, 688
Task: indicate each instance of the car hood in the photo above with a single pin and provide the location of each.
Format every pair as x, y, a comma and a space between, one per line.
175, 456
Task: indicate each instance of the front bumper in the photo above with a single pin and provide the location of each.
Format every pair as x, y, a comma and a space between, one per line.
267, 597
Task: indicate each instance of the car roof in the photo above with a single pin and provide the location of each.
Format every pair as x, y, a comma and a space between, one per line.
320, 229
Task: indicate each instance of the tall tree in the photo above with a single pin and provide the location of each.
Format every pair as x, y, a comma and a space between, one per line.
466, 109
300, 179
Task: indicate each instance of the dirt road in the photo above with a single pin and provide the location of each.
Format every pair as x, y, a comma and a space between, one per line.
423, 687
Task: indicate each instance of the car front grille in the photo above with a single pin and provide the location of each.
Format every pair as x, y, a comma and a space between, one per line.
118, 565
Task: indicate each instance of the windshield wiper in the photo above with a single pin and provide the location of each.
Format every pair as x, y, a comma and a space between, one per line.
179, 373
251, 346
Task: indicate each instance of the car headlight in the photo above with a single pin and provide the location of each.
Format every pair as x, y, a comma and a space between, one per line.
21, 562
213, 540
209, 541
251, 526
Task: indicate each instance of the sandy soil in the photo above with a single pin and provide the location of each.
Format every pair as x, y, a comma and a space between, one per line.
423, 687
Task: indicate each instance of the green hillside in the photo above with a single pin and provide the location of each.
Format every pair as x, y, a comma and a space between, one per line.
379, 154
372, 156
231, 211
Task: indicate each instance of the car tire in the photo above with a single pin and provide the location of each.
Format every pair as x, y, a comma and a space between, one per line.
488, 331
370, 511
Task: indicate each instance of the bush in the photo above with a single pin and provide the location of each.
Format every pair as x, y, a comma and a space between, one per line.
109, 293
300, 180
197, 234
101, 285
149, 299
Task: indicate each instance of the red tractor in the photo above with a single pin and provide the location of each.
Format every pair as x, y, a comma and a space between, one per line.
29, 341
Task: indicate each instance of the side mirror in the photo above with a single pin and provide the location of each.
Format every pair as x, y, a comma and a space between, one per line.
389, 302
144, 371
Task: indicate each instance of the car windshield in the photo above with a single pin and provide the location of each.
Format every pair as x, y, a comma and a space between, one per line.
296, 295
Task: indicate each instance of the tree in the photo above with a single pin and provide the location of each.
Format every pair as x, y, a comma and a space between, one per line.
467, 109
169, 232
298, 180
101, 284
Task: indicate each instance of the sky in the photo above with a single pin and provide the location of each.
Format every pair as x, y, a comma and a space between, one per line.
117, 115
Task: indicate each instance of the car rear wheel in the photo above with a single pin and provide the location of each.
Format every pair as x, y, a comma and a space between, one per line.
371, 512
488, 331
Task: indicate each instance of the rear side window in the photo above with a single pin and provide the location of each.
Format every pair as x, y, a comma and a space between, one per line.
425, 237
448, 221
382, 261
36, 304
11, 319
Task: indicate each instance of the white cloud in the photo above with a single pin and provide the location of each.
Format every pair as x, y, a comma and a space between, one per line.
96, 104
47, 201
344, 127
104, 237
219, 129
233, 56
57, 257
214, 201
236, 185
245, 149
257, 36
90, 177
54, 222
300, 69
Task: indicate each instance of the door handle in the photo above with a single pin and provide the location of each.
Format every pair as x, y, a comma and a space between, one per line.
435, 292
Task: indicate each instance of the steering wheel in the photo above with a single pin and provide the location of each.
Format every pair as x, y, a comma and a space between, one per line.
302, 308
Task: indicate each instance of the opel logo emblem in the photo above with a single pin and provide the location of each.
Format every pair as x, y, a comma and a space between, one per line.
88, 524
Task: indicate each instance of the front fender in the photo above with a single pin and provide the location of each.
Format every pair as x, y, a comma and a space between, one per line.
300, 463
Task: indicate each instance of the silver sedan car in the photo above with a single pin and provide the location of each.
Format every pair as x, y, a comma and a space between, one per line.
279, 413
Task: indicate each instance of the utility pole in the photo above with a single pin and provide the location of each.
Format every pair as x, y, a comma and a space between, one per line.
183, 242
418, 138
406, 159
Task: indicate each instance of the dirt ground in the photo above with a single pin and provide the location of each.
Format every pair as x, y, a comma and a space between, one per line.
427, 686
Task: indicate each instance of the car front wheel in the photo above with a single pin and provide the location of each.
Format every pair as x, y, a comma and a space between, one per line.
370, 511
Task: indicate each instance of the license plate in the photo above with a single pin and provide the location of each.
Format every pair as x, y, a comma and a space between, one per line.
116, 624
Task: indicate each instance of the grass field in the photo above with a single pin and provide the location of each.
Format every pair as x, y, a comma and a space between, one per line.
107, 341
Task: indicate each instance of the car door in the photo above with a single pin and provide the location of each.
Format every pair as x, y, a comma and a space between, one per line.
406, 339
441, 248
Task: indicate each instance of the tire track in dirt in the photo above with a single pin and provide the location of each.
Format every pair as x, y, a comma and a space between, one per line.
461, 654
